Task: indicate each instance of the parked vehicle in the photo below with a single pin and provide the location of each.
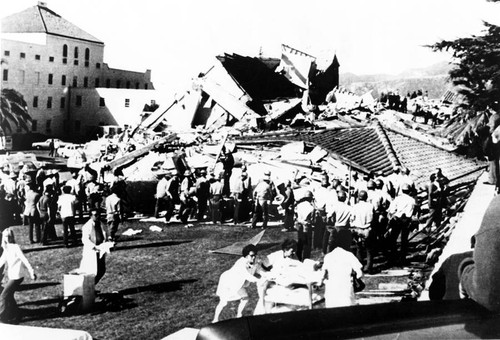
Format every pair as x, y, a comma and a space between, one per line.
46, 144
69, 150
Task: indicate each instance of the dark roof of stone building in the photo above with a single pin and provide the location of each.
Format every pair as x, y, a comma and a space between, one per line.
375, 148
40, 19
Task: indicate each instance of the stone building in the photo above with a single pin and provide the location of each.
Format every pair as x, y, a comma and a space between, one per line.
59, 69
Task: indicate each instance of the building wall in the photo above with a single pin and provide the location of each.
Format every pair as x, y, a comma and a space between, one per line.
102, 106
44, 59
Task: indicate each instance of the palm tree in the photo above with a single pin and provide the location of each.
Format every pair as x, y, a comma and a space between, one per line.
13, 110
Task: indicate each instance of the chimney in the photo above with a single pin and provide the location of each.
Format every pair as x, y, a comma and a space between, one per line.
42, 4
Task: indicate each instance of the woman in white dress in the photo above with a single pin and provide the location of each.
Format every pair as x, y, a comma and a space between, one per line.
234, 281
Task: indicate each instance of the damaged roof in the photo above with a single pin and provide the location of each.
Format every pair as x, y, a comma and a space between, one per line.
374, 148
257, 79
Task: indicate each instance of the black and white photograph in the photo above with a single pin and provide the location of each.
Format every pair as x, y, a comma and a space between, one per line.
231, 169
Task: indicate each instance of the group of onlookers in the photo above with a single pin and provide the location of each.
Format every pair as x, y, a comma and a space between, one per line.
40, 200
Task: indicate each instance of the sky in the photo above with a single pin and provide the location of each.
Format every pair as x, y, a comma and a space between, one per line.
179, 39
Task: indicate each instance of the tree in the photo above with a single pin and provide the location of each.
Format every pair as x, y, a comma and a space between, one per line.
13, 110
477, 67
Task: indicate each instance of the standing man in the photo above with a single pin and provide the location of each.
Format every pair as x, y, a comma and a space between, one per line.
31, 212
93, 258
304, 225
361, 226
338, 223
161, 193
52, 148
185, 194
202, 194
400, 213
263, 195
66, 207
216, 201
45, 206
113, 213
288, 206
435, 202
228, 163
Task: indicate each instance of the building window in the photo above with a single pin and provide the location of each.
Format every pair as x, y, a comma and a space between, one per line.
21, 76
78, 100
97, 82
87, 57
85, 81
76, 53
75, 81
37, 57
63, 102
35, 101
51, 78
63, 80
137, 85
65, 54
102, 102
49, 102
146, 86
48, 123
127, 102
128, 84
34, 125
118, 84
77, 126
6, 53
51, 59
5, 75
98, 65
108, 83
75, 62
22, 55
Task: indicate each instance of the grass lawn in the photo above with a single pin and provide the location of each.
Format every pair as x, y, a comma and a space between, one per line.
168, 280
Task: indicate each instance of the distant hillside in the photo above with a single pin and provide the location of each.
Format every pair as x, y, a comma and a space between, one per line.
432, 79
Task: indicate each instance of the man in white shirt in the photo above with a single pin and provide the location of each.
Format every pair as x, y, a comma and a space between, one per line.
66, 208
304, 223
113, 213
161, 193
400, 214
361, 226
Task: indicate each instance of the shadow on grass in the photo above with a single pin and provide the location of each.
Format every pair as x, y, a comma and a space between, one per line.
263, 246
58, 245
150, 245
162, 287
31, 286
54, 300
41, 313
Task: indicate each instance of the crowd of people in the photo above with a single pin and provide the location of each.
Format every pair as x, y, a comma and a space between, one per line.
39, 200
365, 214
348, 221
